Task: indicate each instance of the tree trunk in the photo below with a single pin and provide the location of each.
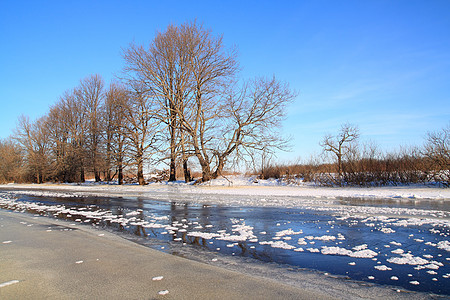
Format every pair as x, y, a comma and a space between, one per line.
206, 175
206, 170
219, 168
340, 168
107, 175
173, 154
172, 174
97, 176
187, 173
140, 167
339, 156
82, 177
140, 173
120, 176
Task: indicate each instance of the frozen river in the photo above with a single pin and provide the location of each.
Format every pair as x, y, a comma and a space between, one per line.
401, 244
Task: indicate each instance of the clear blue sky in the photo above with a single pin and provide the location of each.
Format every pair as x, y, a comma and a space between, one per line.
382, 65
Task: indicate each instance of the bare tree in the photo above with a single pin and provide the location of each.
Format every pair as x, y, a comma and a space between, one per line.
33, 136
212, 69
59, 138
67, 135
11, 160
142, 128
90, 95
163, 71
437, 152
115, 134
341, 143
253, 117
236, 124
74, 116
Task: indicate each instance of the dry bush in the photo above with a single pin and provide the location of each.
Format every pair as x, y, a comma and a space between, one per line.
403, 167
293, 173
364, 166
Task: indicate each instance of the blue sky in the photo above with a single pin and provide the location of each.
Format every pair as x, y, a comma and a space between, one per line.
382, 65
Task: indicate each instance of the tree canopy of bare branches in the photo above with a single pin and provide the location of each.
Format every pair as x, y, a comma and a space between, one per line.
141, 129
437, 151
90, 95
33, 137
193, 78
11, 161
116, 125
341, 143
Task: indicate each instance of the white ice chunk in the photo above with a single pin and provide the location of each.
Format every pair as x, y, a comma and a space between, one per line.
383, 268
360, 247
408, 259
398, 251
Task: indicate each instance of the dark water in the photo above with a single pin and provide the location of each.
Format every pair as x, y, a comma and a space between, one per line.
256, 233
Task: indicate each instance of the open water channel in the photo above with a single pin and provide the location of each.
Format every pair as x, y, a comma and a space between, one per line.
399, 244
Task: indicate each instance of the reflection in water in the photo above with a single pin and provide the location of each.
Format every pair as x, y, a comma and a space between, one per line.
379, 241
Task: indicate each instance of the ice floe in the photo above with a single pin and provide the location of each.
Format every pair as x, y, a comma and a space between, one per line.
278, 244
408, 259
382, 268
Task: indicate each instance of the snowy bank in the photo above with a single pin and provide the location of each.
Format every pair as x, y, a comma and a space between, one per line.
247, 186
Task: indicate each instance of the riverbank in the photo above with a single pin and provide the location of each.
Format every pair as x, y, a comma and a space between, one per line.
45, 258
238, 186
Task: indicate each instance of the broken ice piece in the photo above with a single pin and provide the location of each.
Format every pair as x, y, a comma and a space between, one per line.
157, 278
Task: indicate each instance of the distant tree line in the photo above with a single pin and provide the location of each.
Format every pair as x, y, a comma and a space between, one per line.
178, 102
345, 161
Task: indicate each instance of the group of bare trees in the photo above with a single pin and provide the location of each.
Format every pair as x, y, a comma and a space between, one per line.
11, 161
69, 141
204, 111
178, 101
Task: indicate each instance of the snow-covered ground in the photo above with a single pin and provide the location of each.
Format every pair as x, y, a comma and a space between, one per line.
248, 186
